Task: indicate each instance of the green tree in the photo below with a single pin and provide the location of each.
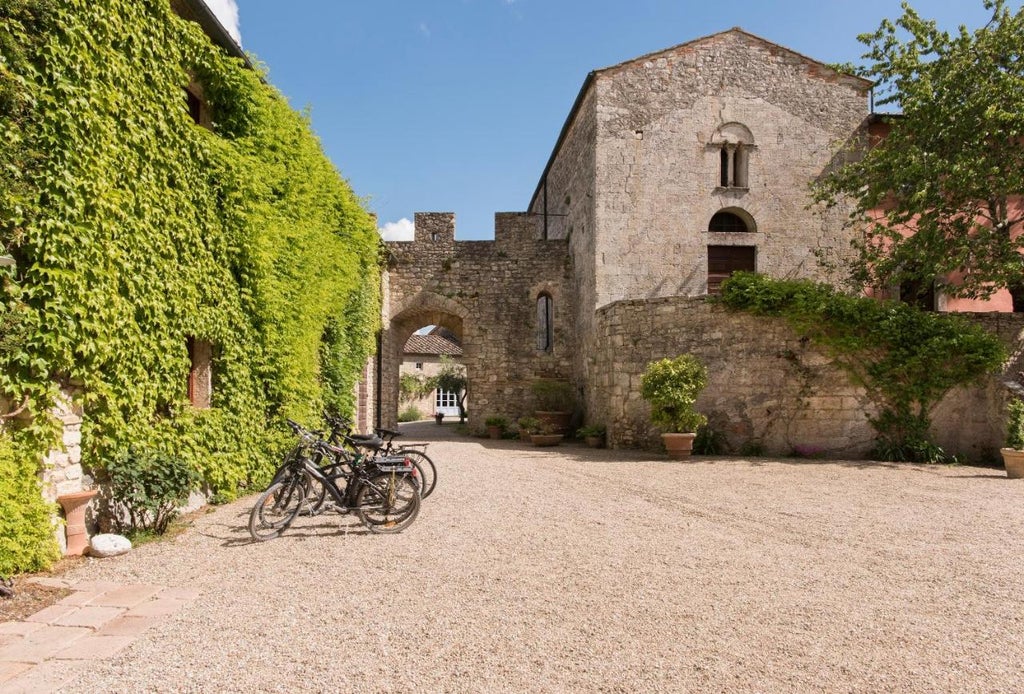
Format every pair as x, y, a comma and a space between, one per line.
946, 175
452, 378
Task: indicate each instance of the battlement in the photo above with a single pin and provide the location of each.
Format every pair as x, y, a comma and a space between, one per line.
437, 230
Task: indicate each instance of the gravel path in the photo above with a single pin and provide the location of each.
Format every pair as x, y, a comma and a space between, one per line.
568, 569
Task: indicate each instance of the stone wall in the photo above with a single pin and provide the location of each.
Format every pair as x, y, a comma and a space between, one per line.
658, 163
485, 292
766, 386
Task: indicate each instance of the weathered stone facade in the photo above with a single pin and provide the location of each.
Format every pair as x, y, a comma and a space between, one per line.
618, 233
486, 293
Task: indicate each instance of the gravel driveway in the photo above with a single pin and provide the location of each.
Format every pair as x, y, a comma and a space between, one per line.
568, 569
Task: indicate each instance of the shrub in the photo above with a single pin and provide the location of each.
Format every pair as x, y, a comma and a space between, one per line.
146, 489
671, 386
27, 540
1015, 424
905, 359
500, 422
410, 414
708, 441
531, 425
591, 430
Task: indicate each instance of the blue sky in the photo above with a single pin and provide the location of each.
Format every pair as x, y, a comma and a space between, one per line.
455, 105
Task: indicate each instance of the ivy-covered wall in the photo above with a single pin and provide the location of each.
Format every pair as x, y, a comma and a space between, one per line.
135, 229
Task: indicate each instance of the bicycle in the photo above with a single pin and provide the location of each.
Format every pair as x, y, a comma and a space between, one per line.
382, 442
381, 492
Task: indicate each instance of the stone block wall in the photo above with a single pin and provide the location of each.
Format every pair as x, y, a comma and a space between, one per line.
658, 164
768, 387
485, 292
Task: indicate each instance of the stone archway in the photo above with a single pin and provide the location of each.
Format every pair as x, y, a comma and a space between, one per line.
425, 308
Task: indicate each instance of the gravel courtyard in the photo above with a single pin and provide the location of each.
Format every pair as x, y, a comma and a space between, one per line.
569, 569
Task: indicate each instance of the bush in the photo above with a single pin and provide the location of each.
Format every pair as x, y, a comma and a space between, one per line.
500, 422
410, 414
531, 425
27, 540
905, 359
1015, 424
591, 430
672, 387
146, 490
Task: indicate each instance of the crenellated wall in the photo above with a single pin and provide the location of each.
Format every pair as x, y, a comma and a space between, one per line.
485, 292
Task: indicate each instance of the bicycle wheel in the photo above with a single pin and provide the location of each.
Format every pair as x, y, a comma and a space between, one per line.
276, 508
315, 493
426, 467
388, 503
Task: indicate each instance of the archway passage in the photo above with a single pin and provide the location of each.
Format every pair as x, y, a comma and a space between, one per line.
446, 337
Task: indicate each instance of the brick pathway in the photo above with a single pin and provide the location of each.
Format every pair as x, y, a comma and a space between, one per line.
98, 620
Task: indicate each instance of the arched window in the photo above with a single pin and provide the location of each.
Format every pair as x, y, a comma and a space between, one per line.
735, 142
728, 222
545, 323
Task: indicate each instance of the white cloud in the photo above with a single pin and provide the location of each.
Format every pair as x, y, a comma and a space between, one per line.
227, 12
402, 230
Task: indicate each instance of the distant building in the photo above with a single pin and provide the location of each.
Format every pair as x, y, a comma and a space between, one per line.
422, 358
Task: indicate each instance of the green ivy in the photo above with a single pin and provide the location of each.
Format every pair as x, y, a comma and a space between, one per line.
27, 541
135, 229
905, 359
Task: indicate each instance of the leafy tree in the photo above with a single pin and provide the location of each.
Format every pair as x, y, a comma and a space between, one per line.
452, 378
935, 196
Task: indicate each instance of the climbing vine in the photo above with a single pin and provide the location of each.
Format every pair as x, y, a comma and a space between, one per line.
135, 230
905, 359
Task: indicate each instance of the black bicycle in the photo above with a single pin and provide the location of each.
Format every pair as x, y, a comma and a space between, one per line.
382, 443
383, 492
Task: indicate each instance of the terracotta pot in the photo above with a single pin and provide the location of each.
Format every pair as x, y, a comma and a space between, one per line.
494, 432
558, 422
74, 505
593, 441
524, 435
545, 439
678, 446
1013, 459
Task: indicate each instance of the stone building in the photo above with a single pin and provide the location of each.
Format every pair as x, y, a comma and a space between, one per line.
424, 356
671, 171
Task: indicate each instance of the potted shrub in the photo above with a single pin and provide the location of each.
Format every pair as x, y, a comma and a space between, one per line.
592, 435
555, 403
527, 427
496, 426
1013, 454
546, 437
671, 386
439, 418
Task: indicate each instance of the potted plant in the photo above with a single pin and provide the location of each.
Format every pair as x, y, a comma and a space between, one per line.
671, 386
496, 426
527, 427
546, 437
555, 403
439, 418
1013, 454
592, 435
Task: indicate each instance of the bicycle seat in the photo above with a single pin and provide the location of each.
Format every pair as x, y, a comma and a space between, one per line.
367, 441
391, 433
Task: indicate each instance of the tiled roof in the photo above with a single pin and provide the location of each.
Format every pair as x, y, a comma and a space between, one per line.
432, 344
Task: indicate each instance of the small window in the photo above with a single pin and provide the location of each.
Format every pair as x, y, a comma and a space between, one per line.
198, 109
200, 374
918, 293
734, 142
419, 365
545, 323
725, 260
727, 222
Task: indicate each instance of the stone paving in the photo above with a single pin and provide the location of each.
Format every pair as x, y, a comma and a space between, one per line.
98, 620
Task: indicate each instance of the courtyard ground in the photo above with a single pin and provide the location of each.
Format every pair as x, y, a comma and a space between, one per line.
570, 569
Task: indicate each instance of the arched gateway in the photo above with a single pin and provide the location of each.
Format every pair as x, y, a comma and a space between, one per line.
486, 293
